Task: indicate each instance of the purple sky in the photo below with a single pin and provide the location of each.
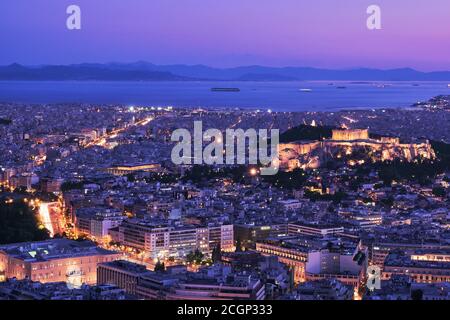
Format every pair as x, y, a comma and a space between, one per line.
319, 33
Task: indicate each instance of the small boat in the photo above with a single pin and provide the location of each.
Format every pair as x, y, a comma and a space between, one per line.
305, 90
341, 87
448, 85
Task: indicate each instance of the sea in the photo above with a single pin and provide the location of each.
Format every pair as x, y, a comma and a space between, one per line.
276, 96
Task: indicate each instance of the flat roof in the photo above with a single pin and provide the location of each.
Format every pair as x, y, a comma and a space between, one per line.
53, 249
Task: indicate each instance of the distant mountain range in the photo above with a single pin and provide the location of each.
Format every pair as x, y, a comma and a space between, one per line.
144, 71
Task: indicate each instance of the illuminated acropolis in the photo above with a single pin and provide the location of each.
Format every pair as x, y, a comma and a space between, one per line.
350, 135
313, 154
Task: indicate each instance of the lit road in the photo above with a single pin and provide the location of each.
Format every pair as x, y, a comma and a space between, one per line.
239, 120
51, 217
101, 141
44, 215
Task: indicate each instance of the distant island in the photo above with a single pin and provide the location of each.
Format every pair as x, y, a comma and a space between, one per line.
144, 71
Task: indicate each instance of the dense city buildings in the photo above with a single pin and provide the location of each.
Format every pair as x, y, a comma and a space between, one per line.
218, 282
108, 215
28, 290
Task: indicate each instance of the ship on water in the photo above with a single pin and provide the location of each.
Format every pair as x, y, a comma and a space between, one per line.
382, 85
225, 89
305, 90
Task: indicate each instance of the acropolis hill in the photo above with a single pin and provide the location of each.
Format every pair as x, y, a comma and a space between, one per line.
353, 145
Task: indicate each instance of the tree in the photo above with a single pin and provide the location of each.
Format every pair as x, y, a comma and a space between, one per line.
294, 179
439, 191
195, 257
387, 175
160, 267
18, 223
417, 294
72, 185
306, 132
217, 254
4, 121
238, 245
388, 202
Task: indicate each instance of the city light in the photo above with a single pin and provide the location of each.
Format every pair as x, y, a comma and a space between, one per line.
44, 215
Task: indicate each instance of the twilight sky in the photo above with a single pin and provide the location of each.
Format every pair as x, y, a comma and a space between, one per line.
223, 33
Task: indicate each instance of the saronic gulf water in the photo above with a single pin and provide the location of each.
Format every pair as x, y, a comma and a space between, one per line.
278, 96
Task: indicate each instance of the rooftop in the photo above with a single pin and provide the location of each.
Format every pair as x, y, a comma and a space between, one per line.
53, 249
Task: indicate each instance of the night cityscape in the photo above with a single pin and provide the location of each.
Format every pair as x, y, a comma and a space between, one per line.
149, 198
